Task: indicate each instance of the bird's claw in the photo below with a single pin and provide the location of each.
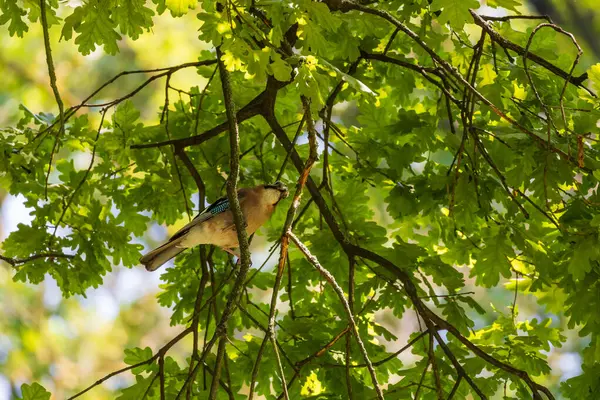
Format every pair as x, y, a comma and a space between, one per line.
239, 261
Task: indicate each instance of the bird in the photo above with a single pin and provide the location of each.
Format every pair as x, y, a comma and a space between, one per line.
214, 225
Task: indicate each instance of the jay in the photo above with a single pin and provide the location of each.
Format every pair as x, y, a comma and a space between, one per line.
215, 224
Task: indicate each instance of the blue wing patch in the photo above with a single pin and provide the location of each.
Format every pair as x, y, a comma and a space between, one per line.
218, 206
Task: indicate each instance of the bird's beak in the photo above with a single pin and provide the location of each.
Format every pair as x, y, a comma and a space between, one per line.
284, 192
280, 186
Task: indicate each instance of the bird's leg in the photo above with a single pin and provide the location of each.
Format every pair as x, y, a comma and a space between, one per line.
234, 253
231, 251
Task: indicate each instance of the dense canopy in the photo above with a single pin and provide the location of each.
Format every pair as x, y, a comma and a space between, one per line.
438, 152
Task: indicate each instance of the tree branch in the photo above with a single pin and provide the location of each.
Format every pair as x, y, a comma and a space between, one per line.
185, 158
424, 71
83, 180
316, 354
345, 6
161, 352
238, 218
507, 44
327, 275
409, 286
250, 110
16, 261
52, 74
283, 255
167, 70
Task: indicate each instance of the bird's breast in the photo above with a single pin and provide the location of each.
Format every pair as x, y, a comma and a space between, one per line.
256, 217
220, 231
216, 231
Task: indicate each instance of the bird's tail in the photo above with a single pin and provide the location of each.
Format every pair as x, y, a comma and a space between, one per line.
161, 255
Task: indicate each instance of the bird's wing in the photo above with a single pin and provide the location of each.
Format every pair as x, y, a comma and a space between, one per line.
220, 205
231, 226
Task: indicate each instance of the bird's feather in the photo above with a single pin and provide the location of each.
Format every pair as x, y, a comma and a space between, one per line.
214, 225
219, 206
161, 255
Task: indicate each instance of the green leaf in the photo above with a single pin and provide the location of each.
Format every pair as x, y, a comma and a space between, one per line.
280, 69
585, 251
25, 240
472, 303
594, 76
457, 316
95, 27
136, 391
507, 4
322, 16
35, 391
136, 356
355, 83
180, 7
456, 13
11, 13
488, 75
584, 386
312, 35
132, 16
125, 116
312, 84
492, 262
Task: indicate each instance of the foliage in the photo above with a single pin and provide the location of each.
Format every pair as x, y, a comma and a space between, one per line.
454, 149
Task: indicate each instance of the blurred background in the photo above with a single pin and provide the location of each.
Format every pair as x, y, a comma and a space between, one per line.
67, 344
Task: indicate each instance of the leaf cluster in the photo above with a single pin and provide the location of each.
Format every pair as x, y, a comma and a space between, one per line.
455, 152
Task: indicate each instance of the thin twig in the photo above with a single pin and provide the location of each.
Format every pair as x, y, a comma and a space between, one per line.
409, 287
507, 18
507, 44
158, 354
218, 365
422, 379
83, 180
455, 387
73, 110
201, 99
52, 74
327, 275
315, 355
16, 261
283, 255
435, 369
287, 155
197, 305
183, 156
161, 374
351, 271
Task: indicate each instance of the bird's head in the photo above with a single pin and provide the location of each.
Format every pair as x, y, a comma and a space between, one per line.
276, 192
